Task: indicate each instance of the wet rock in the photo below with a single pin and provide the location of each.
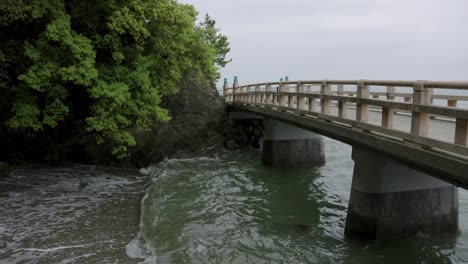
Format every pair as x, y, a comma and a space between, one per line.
3, 166
4, 169
231, 144
145, 171
196, 128
243, 133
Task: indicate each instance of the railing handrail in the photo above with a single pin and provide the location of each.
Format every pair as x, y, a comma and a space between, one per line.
462, 85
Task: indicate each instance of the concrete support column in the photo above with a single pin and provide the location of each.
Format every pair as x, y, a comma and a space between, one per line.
287, 146
389, 200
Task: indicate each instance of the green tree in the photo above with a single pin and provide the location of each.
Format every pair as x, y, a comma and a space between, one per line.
216, 40
104, 64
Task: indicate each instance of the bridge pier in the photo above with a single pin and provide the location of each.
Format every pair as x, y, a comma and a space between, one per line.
286, 146
390, 200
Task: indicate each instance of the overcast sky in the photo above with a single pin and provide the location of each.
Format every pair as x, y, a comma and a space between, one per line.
342, 39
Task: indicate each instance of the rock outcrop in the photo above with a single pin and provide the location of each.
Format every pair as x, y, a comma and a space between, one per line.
243, 133
196, 128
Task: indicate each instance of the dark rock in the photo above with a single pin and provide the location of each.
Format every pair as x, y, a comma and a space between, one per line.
243, 133
196, 128
231, 144
4, 169
3, 166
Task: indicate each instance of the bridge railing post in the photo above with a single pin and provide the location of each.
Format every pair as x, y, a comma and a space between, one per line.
311, 100
420, 120
362, 110
283, 97
461, 132
388, 112
452, 103
225, 89
269, 96
290, 97
311, 104
301, 88
325, 89
235, 90
390, 93
257, 94
341, 104
247, 94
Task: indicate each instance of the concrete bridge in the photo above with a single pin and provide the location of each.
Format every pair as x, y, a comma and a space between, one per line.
405, 178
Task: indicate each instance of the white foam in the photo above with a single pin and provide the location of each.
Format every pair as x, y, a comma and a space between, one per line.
139, 247
145, 171
53, 249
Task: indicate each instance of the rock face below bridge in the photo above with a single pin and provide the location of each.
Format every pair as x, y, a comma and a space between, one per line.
243, 133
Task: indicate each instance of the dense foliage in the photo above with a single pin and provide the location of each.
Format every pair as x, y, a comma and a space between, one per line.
102, 65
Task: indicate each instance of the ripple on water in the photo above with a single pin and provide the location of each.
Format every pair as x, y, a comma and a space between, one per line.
234, 210
228, 209
68, 215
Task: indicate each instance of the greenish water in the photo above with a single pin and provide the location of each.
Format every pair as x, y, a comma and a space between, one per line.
227, 209
232, 209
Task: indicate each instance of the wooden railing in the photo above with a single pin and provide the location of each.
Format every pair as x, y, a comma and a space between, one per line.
303, 97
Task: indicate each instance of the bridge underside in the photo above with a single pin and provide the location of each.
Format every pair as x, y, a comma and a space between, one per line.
398, 189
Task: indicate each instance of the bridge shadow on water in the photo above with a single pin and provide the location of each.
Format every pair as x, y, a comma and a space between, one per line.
295, 217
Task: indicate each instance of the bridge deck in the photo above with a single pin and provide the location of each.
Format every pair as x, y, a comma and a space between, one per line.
435, 147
